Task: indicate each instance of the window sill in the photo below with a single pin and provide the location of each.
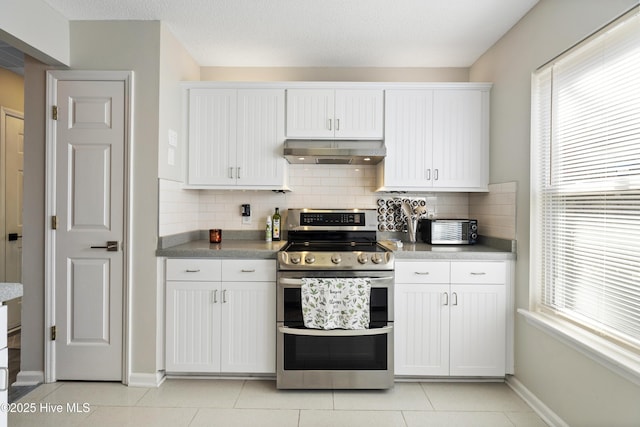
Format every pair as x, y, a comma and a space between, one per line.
619, 360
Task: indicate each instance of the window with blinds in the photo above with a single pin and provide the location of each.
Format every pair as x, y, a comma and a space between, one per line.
586, 184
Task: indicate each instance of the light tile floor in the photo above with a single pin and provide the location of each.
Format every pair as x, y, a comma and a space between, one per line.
257, 403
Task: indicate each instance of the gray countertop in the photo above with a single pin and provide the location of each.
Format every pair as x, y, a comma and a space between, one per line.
256, 249
10, 291
416, 251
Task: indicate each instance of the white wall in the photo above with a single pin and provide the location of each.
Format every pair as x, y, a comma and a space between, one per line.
32, 345
35, 28
176, 65
580, 391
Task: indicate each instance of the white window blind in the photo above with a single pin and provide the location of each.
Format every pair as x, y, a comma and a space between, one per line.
586, 184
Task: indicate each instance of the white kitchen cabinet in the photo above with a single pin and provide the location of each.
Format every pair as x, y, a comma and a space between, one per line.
236, 138
421, 322
478, 330
335, 113
453, 323
223, 320
437, 140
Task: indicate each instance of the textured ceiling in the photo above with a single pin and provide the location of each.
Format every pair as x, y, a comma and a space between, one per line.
328, 33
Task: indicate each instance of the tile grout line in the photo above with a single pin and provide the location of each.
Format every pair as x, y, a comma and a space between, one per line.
244, 382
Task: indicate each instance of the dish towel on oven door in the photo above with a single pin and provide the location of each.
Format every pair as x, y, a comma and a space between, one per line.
336, 303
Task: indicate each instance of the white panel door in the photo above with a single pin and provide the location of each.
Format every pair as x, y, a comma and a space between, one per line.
310, 113
359, 114
248, 337
478, 330
421, 318
13, 181
90, 149
260, 137
193, 326
408, 137
460, 140
212, 136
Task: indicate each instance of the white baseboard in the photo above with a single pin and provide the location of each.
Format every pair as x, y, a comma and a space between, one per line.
29, 378
549, 417
146, 380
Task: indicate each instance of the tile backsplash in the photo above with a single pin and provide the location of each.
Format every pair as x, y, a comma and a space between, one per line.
312, 186
495, 210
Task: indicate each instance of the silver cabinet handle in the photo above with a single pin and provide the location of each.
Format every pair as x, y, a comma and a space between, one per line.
446, 298
224, 296
455, 298
230, 172
337, 124
192, 270
421, 273
335, 332
246, 270
112, 246
238, 172
428, 174
478, 273
215, 296
330, 124
435, 174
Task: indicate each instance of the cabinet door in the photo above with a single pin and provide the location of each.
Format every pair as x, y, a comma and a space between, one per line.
421, 329
408, 137
310, 113
460, 139
249, 327
260, 137
193, 326
212, 136
358, 114
478, 330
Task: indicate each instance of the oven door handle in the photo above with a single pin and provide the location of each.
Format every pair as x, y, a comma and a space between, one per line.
335, 332
298, 282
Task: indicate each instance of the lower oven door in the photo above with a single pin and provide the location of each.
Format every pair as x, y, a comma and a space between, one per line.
334, 359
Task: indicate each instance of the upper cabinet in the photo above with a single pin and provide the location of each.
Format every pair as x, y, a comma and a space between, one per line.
335, 113
436, 134
437, 139
235, 138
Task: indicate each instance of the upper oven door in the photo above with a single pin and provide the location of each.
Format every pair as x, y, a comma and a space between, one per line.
289, 300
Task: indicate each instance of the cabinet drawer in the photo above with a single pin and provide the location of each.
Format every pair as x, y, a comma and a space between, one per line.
203, 270
422, 272
478, 272
249, 270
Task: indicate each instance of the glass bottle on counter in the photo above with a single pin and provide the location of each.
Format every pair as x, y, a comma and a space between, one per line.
276, 225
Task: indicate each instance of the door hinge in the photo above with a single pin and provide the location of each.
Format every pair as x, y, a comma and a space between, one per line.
53, 333
54, 222
54, 112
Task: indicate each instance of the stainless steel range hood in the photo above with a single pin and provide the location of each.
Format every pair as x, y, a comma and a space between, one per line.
334, 152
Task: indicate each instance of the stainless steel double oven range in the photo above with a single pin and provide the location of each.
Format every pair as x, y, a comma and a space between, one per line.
334, 244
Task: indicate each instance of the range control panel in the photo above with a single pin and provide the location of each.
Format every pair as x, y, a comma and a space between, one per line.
326, 218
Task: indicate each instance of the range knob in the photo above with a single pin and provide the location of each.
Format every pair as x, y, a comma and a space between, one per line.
309, 259
335, 258
363, 259
295, 259
377, 258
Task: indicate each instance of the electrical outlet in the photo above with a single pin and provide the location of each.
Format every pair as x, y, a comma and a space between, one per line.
245, 211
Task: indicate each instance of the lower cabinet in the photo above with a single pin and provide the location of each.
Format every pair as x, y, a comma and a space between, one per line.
451, 318
220, 316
